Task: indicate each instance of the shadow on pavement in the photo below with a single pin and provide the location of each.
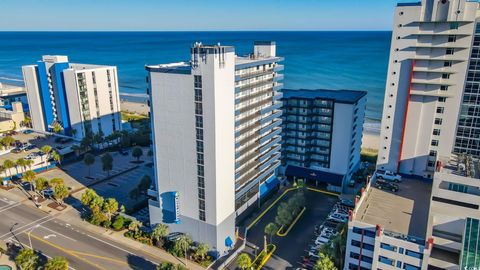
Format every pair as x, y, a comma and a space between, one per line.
136, 262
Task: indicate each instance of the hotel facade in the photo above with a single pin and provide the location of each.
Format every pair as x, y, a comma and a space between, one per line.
432, 86
322, 135
83, 99
216, 132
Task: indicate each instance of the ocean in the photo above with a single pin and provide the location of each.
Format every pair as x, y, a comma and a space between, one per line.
313, 60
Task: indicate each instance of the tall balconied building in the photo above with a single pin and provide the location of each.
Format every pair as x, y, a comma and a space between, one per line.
322, 135
216, 131
81, 98
430, 106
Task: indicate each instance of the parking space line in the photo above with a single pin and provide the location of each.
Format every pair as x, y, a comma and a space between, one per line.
324, 191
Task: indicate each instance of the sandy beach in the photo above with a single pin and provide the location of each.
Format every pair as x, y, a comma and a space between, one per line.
370, 140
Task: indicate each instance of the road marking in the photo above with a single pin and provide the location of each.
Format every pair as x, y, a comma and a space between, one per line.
100, 257
48, 229
50, 235
67, 252
8, 207
26, 225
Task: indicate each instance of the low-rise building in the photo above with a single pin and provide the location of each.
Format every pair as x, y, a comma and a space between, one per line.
455, 214
11, 119
388, 230
322, 134
12, 93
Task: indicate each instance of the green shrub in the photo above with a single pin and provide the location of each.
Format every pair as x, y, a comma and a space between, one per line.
119, 223
106, 223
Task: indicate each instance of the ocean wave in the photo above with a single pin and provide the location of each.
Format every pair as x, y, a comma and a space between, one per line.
372, 127
139, 95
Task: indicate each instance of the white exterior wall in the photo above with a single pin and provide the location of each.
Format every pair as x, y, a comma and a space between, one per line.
173, 112
424, 45
341, 138
33, 96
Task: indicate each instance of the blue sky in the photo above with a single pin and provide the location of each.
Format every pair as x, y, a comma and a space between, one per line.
186, 15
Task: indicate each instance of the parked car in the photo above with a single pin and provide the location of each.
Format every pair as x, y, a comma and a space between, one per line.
47, 193
386, 185
338, 217
347, 203
30, 147
28, 131
389, 176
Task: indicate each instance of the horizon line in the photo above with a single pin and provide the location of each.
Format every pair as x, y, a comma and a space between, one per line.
158, 31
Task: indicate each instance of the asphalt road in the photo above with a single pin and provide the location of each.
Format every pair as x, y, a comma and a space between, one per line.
33, 228
291, 247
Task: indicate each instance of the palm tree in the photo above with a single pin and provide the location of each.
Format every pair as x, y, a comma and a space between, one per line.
41, 184
89, 159
182, 245
8, 164
57, 157
244, 261
46, 149
159, 232
27, 259
56, 181
271, 229
8, 141
29, 177
57, 263
134, 225
29, 163
20, 162
201, 250
60, 192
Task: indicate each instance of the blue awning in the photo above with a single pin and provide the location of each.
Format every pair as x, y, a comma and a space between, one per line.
316, 175
268, 185
228, 242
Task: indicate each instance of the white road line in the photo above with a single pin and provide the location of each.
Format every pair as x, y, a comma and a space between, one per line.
26, 225
9, 207
55, 232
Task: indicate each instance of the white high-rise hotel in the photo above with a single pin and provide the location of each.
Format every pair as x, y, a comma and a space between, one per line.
431, 106
81, 98
216, 125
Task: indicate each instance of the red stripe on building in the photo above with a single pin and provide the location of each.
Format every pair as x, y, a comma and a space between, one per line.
405, 116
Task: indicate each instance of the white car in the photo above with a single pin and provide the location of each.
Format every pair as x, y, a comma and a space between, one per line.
338, 217
388, 176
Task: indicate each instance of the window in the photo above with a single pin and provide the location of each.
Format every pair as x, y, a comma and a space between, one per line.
363, 258
453, 25
445, 76
364, 246
399, 264
388, 247
197, 81
449, 51
434, 143
443, 87
452, 38
414, 254
447, 63
200, 170
366, 232
400, 250
199, 121
410, 267
430, 163
436, 132
457, 188
438, 121
442, 99
386, 260
440, 109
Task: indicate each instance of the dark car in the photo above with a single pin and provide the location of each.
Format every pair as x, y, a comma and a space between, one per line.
386, 185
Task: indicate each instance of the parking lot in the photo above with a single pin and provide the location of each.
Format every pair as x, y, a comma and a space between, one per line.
291, 247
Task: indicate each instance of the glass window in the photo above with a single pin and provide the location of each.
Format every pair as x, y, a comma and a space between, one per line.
386, 260
410, 267
388, 247
414, 254
438, 121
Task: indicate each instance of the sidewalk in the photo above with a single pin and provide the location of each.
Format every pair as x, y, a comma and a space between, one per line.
71, 216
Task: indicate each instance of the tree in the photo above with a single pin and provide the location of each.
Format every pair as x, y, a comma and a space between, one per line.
46, 149
56, 127
56, 181
29, 177
324, 263
60, 192
271, 229
137, 152
21, 162
118, 223
201, 251
8, 141
134, 226
8, 164
27, 259
89, 159
88, 196
244, 261
110, 206
41, 184
107, 163
57, 157
159, 232
284, 215
144, 184
182, 244
29, 163
27, 122
57, 263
